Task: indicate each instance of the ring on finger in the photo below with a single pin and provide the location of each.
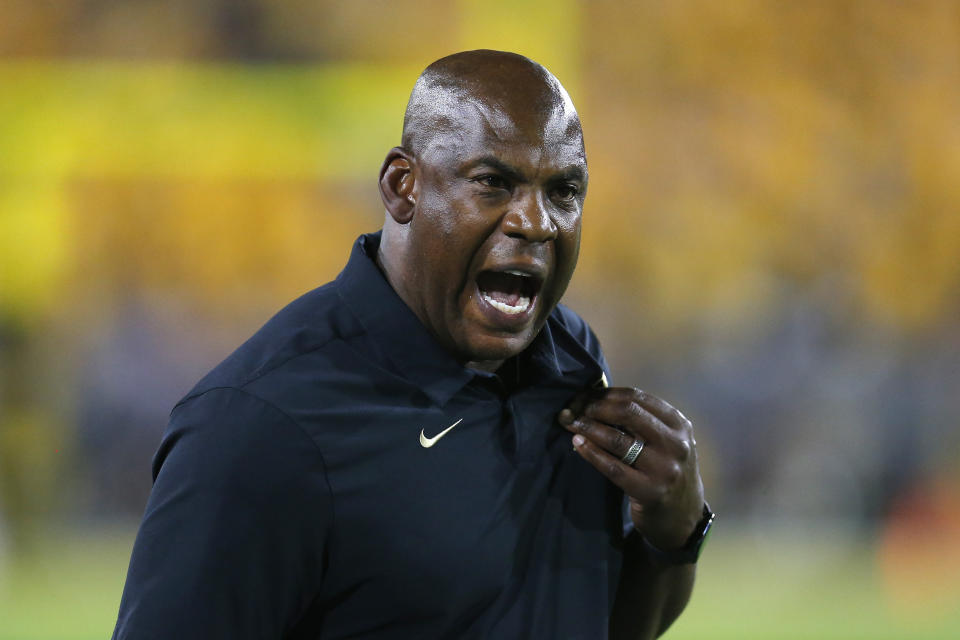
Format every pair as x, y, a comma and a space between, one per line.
633, 452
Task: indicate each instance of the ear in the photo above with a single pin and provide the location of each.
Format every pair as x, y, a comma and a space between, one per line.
398, 185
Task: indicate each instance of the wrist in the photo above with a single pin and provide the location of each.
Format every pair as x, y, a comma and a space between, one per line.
689, 551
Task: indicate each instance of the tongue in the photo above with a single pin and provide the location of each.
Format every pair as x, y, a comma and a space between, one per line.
502, 287
511, 299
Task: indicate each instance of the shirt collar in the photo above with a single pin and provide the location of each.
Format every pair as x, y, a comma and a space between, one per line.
415, 354
555, 353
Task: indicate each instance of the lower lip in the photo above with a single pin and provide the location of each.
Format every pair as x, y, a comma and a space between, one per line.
502, 319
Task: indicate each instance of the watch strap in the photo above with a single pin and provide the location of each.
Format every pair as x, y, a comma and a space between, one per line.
689, 553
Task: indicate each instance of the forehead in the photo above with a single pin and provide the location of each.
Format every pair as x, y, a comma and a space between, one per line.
529, 138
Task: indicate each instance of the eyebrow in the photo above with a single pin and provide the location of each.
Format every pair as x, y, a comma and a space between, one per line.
574, 173
569, 173
495, 163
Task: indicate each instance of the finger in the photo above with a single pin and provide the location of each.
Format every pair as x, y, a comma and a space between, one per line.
576, 405
632, 417
634, 482
579, 401
619, 408
651, 460
611, 439
670, 415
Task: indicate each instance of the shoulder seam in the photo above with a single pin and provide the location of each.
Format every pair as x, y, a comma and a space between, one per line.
259, 374
256, 376
299, 427
335, 286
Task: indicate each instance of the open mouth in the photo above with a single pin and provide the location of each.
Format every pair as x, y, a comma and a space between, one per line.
511, 292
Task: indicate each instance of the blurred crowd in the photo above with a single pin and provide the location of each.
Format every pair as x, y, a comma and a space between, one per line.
771, 235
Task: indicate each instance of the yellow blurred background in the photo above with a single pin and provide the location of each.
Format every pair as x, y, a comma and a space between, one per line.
771, 242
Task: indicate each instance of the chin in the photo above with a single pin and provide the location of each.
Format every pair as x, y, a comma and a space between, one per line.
494, 348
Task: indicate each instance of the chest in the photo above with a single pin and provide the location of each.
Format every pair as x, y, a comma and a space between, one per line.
463, 514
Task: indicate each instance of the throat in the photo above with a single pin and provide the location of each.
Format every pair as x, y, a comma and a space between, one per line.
488, 366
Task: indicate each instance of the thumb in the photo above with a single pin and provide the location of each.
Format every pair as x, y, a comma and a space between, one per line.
637, 514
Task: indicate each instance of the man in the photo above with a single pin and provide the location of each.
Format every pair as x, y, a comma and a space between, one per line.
385, 458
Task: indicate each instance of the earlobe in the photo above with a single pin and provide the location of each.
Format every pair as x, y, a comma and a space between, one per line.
398, 185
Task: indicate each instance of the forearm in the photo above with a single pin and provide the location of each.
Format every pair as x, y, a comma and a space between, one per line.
649, 597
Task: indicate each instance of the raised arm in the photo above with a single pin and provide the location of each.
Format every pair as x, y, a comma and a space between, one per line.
646, 447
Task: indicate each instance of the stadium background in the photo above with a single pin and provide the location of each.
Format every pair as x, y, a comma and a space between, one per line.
771, 241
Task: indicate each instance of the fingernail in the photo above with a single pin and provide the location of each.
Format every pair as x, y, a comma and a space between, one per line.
578, 440
565, 417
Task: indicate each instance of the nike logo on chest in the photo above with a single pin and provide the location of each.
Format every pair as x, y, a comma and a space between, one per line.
426, 442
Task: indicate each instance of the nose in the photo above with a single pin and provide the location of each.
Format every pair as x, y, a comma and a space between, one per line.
529, 219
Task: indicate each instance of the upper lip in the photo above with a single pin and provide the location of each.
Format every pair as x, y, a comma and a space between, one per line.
532, 268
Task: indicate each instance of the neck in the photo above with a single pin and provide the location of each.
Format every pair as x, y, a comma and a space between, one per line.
388, 255
490, 366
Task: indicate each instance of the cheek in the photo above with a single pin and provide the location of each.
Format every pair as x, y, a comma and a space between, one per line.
448, 214
450, 235
466, 229
568, 244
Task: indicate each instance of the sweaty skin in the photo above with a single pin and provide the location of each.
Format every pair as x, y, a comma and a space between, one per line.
484, 200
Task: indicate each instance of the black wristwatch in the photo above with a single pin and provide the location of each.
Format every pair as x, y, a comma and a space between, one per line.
690, 551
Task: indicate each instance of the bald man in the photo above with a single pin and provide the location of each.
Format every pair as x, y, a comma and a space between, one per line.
386, 457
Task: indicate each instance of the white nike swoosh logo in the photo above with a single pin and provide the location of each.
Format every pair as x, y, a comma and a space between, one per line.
426, 442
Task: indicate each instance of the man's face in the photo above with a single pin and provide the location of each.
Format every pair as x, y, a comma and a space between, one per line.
496, 229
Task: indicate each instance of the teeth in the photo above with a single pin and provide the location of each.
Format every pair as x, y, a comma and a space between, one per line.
514, 272
522, 305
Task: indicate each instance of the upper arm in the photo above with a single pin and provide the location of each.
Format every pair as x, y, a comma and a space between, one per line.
234, 537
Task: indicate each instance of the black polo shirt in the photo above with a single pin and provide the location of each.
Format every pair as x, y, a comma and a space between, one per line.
294, 497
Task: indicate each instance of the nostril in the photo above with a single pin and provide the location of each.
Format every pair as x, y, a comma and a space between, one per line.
532, 224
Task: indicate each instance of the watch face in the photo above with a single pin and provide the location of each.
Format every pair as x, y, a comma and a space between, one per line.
705, 529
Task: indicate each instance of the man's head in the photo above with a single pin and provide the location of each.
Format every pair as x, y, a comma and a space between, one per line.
483, 202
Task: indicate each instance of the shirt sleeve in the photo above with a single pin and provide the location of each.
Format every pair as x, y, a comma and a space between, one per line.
235, 533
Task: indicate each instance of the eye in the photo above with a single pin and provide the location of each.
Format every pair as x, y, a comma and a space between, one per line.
491, 180
566, 192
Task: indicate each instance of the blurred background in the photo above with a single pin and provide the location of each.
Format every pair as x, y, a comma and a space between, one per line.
771, 242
